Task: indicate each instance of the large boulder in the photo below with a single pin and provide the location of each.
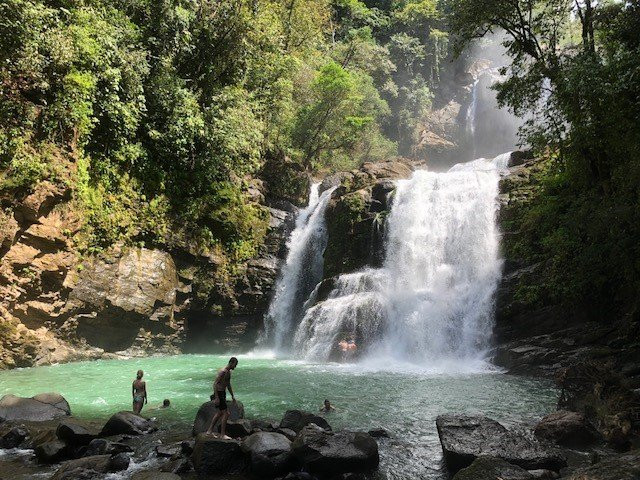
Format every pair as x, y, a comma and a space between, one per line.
40, 408
296, 420
270, 453
617, 467
331, 453
73, 433
102, 446
570, 429
491, 468
215, 456
207, 411
95, 465
465, 438
127, 423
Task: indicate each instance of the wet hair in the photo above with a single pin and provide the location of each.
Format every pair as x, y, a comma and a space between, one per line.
166, 402
139, 373
326, 401
233, 360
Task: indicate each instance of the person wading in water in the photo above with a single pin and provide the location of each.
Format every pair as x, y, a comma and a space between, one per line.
139, 391
220, 386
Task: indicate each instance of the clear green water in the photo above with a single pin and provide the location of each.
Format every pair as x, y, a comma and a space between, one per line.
403, 402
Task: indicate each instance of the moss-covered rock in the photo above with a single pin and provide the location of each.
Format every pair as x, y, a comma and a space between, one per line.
356, 215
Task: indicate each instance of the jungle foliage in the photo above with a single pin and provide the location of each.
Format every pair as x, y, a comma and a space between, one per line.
168, 108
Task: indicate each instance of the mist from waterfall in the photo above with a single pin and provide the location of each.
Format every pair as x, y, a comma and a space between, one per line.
431, 303
301, 272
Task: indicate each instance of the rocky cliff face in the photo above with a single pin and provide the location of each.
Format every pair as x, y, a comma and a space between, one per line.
57, 305
541, 336
356, 217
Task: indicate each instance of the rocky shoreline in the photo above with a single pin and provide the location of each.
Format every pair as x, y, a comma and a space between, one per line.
301, 446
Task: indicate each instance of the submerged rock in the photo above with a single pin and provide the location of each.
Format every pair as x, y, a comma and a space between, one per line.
323, 452
270, 453
40, 408
565, 428
207, 411
465, 438
296, 420
491, 468
379, 433
168, 451
101, 446
127, 423
215, 456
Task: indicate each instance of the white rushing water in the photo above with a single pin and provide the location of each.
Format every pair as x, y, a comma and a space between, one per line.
431, 303
302, 270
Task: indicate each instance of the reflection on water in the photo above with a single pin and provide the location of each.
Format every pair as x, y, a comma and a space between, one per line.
405, 402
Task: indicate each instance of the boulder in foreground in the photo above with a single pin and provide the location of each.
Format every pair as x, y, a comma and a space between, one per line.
207, 411
215, 456
491, 468
570, 429
127, 423
296, 420
40, 408
465, 438
270, 453
331, 453
94, 465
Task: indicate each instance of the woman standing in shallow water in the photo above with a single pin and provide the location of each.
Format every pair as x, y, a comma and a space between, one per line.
139, 392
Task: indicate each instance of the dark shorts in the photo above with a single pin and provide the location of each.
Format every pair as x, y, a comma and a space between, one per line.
222, 400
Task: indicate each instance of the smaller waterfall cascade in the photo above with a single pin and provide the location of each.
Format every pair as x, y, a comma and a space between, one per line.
470, 117
301, 272
432, 300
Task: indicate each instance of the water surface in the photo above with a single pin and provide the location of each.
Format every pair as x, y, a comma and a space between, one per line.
403, 401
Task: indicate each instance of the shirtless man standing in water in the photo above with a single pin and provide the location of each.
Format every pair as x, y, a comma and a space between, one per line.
139, 392
220, 386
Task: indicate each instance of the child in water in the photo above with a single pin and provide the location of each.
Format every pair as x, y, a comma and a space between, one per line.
139, 392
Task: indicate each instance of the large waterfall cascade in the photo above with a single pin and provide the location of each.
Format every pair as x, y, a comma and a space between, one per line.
431, 303
301, 272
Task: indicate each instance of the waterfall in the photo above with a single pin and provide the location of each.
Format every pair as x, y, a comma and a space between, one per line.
301, 272
470, 117
432, 299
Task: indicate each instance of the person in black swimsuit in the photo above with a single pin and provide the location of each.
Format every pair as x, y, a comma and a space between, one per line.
220, 387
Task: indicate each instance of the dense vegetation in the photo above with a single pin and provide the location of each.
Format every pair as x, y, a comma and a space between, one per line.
158, 114
575, 71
